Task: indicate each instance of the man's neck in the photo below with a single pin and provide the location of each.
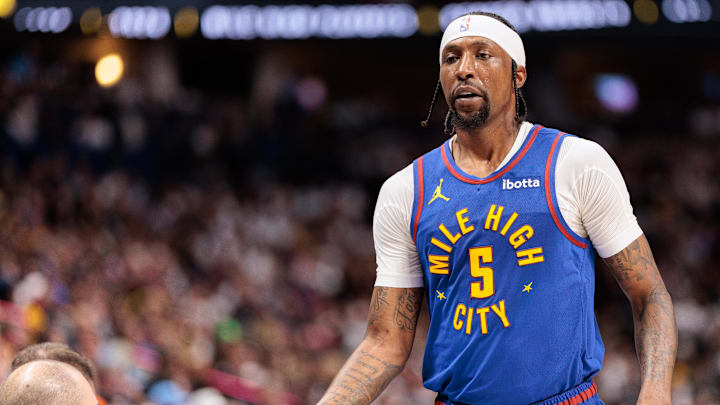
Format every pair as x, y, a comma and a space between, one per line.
480, 151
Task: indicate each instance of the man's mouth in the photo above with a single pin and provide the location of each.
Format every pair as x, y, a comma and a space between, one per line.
467, 92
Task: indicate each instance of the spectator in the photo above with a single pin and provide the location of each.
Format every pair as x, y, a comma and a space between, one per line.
46, 382
58, 352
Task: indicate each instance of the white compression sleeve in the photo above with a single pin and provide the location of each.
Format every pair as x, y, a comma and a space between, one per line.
395, 251
593, 197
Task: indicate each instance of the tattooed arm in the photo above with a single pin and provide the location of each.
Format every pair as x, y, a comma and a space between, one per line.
635, 270
384, 350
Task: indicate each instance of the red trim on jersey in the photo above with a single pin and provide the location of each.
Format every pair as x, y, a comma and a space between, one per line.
421, 197
551, 206
498, 175
575, 400
581, 397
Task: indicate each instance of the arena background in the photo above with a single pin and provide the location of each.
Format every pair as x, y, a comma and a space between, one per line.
203, 223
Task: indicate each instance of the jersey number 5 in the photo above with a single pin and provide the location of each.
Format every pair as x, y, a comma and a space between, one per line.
485, 287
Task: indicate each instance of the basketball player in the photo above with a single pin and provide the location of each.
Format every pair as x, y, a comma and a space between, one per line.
498, 229
46, 382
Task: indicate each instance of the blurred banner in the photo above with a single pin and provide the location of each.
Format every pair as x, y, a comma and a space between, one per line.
301, 21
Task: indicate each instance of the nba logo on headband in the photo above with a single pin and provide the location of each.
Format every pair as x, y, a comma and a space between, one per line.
465, 24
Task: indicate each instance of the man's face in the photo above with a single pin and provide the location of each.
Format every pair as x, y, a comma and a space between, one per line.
476, 77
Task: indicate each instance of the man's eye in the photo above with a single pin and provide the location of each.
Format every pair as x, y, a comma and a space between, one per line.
483, 55
451, 59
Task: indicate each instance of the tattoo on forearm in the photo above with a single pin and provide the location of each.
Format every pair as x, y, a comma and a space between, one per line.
655, 329
379, 302
407, 309
655, 336
633, 263
364, 378
392, 319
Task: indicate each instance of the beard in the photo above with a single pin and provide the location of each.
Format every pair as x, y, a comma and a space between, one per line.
477, 120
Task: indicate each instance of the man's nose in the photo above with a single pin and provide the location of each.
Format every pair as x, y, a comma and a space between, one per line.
466, 67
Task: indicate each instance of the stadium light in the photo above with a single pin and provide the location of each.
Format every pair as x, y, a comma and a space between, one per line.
43, 19
186, 22
646, 11
109, 70
683, 11
91, 21
140, 22
428, 20
548, 15
617, 93
6, 8
304, 21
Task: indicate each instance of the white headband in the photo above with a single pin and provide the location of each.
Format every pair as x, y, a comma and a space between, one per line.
488, 27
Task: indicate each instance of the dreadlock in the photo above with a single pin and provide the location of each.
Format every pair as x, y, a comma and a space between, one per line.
520, 104
424, 123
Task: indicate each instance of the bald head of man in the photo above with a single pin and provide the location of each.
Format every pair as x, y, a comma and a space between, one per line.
55, 351
46, 382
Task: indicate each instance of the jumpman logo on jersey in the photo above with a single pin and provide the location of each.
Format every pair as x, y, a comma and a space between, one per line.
438, 193
441, 295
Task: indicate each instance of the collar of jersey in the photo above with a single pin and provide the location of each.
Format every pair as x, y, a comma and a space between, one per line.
467, 178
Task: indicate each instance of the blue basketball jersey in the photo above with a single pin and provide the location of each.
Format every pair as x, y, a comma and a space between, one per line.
510, 286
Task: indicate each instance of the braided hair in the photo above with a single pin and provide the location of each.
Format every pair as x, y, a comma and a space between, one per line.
520, 104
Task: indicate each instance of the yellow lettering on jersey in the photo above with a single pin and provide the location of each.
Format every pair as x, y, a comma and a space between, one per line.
493, 217
483, 319
519, 237
500, 312
509, 223
439, 264
468, 325
441, 245
452, 238
458, 324
463, 220
463, 317
531, 256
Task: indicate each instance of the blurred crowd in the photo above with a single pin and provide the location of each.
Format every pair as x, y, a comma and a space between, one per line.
199, 256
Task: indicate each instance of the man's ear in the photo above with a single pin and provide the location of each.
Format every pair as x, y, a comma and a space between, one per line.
521, 76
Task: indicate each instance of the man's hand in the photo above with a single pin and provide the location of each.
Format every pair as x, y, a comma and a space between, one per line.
384, 350
635, 270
